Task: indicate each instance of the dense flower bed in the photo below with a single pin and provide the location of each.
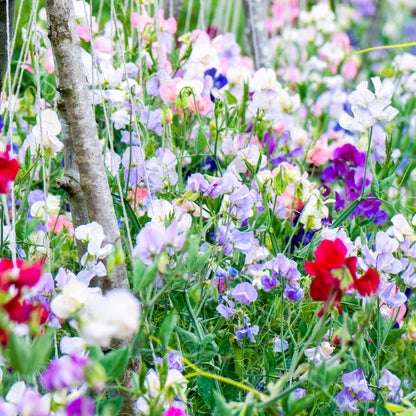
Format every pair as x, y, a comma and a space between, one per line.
271, 212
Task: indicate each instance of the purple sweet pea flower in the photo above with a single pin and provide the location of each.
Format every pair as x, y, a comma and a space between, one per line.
161, 170
269, 282
244, 293
175, 361
81, 406
243, 241
299, 393
293, 294
151, 119
398, 299
133, 162
355, 380
248, 331
197, 183
32, 404
65, 372
280, 345
242, 203
221, 186
392, 383
226, 311
345, 401
129, 137
409, 276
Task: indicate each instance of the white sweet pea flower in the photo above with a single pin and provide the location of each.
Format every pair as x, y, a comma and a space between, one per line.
314, 212
16, 392
93, 234
114, 315
45, 132
72, 298
265, 79
368, 107
401, 228
160, 210
53, 204
72, 345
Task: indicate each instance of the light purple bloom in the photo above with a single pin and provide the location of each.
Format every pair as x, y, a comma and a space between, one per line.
161, 170
244, 293
226, 311
280, 345
392, 383
355, 380
129, 137
242, 203
243, 240
345, 401
393, 301
151, 241
248, 331
133, 162
151, 119
32, 404
221, 186
299, 393
269, 282
65, 372
409, 276
197, 183
293, 294
175, 361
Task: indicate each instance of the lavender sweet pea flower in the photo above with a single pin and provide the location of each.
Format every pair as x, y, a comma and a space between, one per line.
248, 331
129, 137
409, 276
151, 241
226, 311
242, 203
345, 401
392, 383
269, 282
161, 170
197, 183
175, 361
280, 345
293, 294
243, 241
65, 372
133, 162
393, 301
33, 403
244, 293
355, 380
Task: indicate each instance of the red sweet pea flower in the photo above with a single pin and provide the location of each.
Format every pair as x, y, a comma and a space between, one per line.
334, 273
25, 312
24, 275
368, 283
8, 170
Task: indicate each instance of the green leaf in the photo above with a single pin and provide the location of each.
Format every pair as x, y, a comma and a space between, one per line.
221, 406
200, 141
29, 357
115, 362
165, 332
381, 411
110, 407
143, 276
302, 404
205, 389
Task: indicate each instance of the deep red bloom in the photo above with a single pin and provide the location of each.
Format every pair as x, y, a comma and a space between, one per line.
25, 275
329, 257
4, 337
368, 283
331, 254
24, 312
8, 170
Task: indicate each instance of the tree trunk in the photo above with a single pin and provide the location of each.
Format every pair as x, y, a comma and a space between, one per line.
7, 11
74, 92
255, 12
70, 182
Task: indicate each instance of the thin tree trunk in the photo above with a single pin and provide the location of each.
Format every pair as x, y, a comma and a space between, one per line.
255, 12
7, 11
70, 182
74, 91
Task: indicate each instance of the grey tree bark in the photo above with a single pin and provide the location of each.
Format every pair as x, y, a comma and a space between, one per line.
74, 92
255, 12
7, 11
70, 182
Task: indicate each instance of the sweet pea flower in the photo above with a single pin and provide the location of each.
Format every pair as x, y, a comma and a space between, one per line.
248, 331
8, 170
244, 293
45, 132
392, 383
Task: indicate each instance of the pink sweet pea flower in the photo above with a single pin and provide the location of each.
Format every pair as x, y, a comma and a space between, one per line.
84, 33
349, 70
174, 411
49, 64
203, 104
58, 224
168, 90
321, 153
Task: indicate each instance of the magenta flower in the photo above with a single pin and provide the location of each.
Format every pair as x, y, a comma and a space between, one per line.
244, 293
82, 406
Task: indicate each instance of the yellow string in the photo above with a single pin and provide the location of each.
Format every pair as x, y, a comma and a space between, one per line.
376, 48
